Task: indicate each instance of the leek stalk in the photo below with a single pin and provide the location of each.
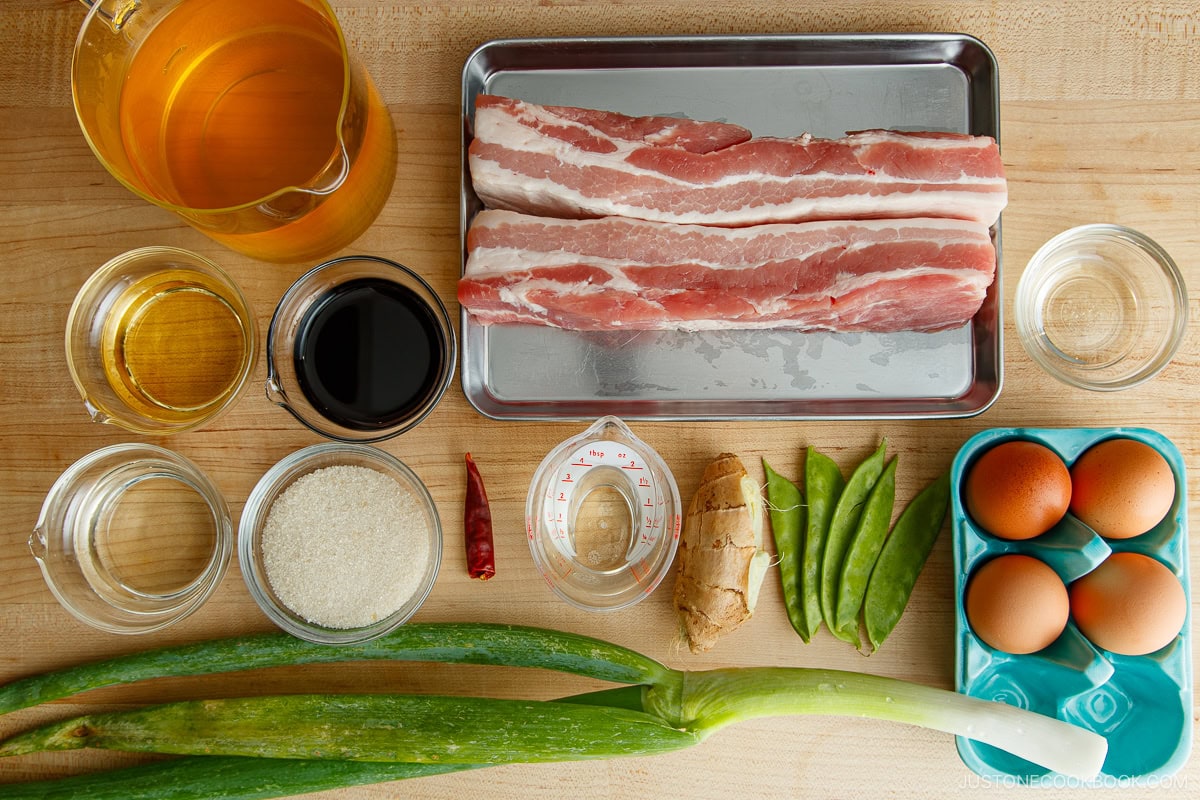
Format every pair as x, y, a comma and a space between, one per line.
451, 643
420, 729
663, 710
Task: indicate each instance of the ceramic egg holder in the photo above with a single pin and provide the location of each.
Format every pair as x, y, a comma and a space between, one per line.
1141, 704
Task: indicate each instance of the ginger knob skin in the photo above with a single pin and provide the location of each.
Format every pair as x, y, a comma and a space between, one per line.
721, 559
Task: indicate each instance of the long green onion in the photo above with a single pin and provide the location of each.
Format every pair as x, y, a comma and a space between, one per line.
227, 778
244, 778
666, 709
420, 729
714, 699
455, 643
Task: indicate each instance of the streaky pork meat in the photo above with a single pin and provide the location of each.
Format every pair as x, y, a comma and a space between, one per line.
616, 273
578, 163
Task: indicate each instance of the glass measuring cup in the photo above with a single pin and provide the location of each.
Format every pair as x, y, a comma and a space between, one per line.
603, 517
249, 120
159, 341
105, 552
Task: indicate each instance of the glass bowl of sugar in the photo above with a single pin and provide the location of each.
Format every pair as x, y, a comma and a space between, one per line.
339, 543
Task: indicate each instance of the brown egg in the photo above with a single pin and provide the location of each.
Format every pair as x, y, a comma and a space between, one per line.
1017, 604
1121, 488
1131, 604
1018, 490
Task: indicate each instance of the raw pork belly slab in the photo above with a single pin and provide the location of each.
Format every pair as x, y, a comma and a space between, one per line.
622, 274
575, 163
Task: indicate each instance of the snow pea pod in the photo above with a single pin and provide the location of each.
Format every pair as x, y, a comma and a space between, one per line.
786, 510
863, 550
846, 514
902, 558
823, 484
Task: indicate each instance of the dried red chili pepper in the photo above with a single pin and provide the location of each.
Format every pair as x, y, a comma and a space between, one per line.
477, 525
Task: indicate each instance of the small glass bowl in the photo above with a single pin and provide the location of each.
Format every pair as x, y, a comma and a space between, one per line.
140, 316
294, 314
258, 508
1101, 307
103, 548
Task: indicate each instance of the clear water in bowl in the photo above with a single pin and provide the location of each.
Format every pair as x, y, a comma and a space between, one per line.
1101, 307
132, 538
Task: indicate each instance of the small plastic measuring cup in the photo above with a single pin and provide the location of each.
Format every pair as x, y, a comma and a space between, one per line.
603, 517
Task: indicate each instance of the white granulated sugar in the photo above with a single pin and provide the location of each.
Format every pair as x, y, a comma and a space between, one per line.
345, 546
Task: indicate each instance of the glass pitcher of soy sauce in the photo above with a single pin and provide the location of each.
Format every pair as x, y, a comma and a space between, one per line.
249, 119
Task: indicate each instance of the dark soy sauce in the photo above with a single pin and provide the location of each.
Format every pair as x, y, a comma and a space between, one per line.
368, 353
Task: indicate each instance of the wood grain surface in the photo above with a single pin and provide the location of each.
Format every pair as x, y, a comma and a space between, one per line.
1100, 123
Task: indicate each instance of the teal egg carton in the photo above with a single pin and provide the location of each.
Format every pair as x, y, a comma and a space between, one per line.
1141, 704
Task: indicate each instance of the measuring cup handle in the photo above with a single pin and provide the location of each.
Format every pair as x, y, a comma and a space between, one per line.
115, 12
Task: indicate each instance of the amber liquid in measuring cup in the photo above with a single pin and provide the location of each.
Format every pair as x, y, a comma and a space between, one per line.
248, 118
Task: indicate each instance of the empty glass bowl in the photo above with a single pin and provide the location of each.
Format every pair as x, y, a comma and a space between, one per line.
133, 538
160, 340
335, 554
1101, 307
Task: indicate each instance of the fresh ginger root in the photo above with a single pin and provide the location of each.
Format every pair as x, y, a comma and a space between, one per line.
721, 557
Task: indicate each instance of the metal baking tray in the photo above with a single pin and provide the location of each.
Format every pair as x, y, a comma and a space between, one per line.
775, 86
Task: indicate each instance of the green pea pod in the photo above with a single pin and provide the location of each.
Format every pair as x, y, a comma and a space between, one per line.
903, 555
786, 509
823, 484
864, 549
841, 528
